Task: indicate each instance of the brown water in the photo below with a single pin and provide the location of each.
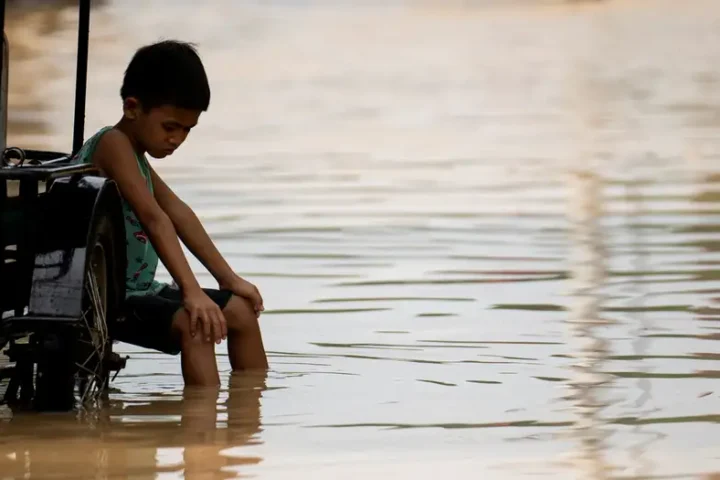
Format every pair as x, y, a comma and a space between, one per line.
486, 234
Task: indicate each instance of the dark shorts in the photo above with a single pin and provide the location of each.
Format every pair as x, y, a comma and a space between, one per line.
147, 320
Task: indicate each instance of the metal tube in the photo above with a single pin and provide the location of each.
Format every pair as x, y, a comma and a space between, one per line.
2, 21
4, 68
3, 183
81, 75
4, 88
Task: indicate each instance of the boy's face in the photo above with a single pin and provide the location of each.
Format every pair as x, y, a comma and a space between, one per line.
161, 130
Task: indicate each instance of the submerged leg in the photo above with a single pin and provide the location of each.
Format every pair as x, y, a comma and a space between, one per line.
245, 344
199, 367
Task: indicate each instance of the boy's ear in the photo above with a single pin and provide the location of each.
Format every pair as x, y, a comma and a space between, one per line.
132, 108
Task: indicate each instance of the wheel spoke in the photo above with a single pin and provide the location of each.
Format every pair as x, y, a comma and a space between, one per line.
75, 374
96, 333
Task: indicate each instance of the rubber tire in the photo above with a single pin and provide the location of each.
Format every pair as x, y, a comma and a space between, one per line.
57, 374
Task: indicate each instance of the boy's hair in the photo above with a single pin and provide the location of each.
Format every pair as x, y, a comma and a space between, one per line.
169, 72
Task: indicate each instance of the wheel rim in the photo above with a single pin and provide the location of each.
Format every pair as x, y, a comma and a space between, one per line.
95, 337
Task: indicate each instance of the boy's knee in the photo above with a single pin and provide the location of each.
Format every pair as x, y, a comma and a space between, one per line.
181, 329
240, 315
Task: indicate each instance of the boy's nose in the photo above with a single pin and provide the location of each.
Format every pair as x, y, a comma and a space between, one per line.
177, 140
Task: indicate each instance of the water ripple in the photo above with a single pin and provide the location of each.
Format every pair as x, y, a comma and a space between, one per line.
404, 200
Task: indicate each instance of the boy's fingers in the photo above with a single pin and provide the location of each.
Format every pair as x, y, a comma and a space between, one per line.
258, 301
217, 329
206, 326
219, 325
223, 325
193, 322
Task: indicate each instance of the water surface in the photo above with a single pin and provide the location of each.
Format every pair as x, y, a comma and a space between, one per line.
485, 232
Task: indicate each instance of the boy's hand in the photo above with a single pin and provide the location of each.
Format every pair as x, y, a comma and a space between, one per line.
202, 308
242, 288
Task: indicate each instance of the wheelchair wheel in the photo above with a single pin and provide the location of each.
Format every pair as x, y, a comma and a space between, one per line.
76, 372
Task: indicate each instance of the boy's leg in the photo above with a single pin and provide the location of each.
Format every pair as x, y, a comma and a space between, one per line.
160, 322
245, 344
197, 357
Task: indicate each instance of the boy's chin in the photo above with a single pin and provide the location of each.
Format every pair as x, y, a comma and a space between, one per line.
159, 154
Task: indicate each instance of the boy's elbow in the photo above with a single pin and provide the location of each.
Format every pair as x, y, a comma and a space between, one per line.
155, 220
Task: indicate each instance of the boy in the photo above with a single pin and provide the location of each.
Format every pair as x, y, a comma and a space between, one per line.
164, 91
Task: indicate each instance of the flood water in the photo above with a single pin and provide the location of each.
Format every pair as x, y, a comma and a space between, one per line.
486, 233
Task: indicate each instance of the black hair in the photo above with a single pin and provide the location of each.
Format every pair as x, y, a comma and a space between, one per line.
169, 72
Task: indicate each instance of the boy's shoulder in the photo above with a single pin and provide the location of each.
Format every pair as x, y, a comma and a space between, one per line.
107, 140
112, 152
87, 150
111, 144
112, 139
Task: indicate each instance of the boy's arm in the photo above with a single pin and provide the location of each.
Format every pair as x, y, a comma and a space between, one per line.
191, 231
116, 158
196, 238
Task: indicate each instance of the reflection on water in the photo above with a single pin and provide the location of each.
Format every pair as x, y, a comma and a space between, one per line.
395, 178
588, 269
194, 427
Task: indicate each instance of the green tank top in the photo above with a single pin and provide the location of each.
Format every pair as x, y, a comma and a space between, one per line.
142, 259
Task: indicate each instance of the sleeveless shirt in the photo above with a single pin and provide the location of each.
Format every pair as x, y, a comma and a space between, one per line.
142, 259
